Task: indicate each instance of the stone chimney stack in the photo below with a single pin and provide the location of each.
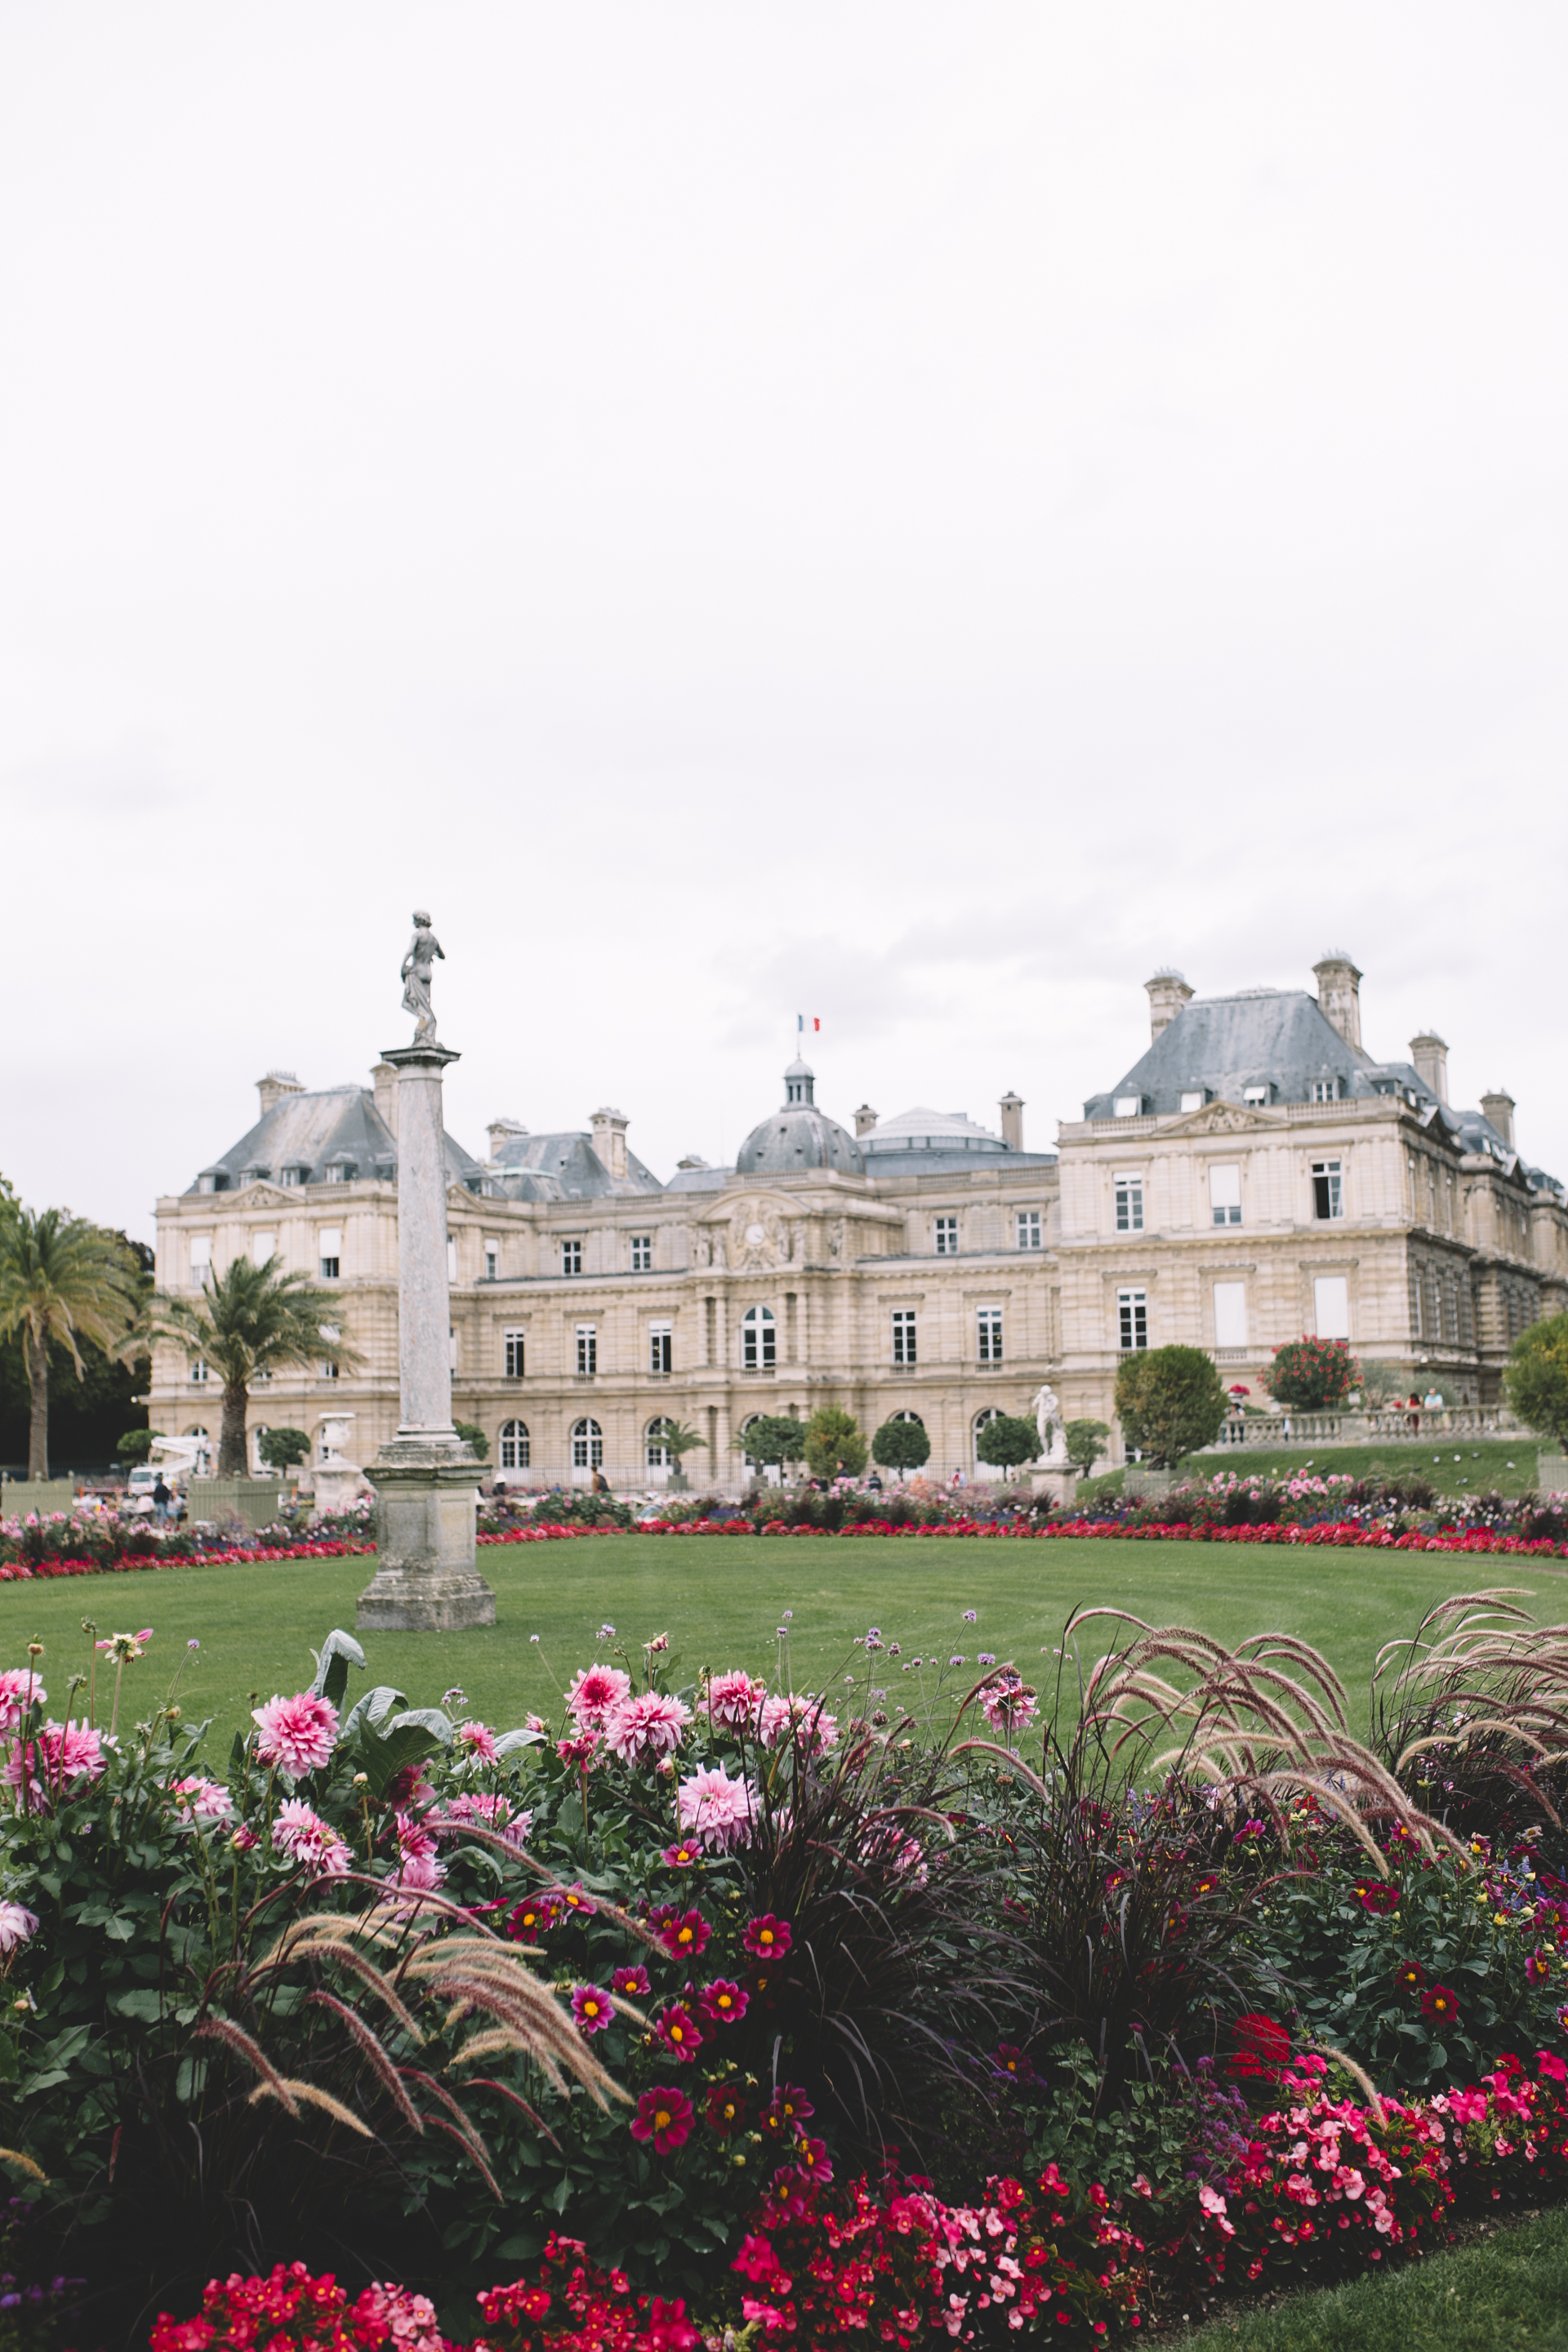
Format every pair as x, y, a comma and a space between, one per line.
610, 1139
501, 1130
1011, 1109
274, 1086
383, 1079
1498, 1107
1339, 995
1430, 1054
865, 1119
1168, 992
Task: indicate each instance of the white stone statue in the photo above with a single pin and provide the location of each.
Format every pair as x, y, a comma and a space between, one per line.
417, 966
1052, 1429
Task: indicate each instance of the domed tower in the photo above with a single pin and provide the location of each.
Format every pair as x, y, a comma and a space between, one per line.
798, 1136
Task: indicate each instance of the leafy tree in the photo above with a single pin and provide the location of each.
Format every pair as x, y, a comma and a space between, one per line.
900, 1446
63, 1282
1008, 1442
283, 1449
774, 1437
1536, 1380
1312, 1375
1085, 1442
253, 1319
475, 1436
1170, 1401
134, 1446
835, 1447
676, 1438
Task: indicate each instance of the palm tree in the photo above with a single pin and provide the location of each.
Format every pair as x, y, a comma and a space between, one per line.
253, 1319
62, 1280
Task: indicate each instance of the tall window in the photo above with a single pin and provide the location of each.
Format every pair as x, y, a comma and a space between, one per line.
947, 1236
660, 1348
516, 1344
989, 1320
336, 1172
587, 1445
1028, 1229
1331, 1306
293, 1175
328, 1368
1328, 1196
1130, 1204
903, 1334
263, 1245
642, 1253
514, 1454
329, 1245
981, 1424
451, 1259
758, 1335
201, 1258
587, 1348
492, 1260
1230, 1313
1133, 1319
198, 1372
1325, 1089
1224, 1195
656, 1452
571, 1257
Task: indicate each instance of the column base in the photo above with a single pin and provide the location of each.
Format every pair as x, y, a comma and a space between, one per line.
1060, 1482
426, 1582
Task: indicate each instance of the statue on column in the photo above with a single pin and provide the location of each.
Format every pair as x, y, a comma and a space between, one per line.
1051, 1427
417, 967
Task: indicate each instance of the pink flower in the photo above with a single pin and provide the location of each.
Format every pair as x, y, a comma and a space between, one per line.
413, 1838
19, 1689
420, 1873
206, 1801
664, 2115
767, 1937
304, 1837
732, 1701
633, 1982
1467, 2107
716, 1810
244, 1839
492, 1813
595, 1693
684, 1935
593, 2009
580, 1751
479, 1739
815, 1730
1551, 2067
681, 1856
722, 2003
1009, 1704
679, 2033
17, 1925
642, 1730
297, 1734
62, 1753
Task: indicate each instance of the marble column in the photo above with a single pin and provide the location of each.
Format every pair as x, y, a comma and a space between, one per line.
426, 1476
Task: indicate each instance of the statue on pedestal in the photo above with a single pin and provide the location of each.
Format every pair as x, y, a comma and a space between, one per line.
418, 965
1052, 1429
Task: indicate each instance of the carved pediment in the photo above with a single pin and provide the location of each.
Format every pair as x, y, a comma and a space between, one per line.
1224, 1119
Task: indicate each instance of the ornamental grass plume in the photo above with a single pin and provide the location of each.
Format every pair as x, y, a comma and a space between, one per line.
1470, 1715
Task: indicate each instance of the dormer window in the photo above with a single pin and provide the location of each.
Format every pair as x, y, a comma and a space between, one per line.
1129, 1105
1326, 1090
1196, 1099
1259, 1094
207, 1181
336, 1172
294, 1173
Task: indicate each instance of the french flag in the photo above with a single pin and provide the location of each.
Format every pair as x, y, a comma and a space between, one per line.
800, 1022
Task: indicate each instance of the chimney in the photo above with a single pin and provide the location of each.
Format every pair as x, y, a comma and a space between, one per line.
1430, 1054
1168, 992
1011, 1109
610, 1139
865, 1119
1498, 1107
501, 1130
274, 1085
1339, 995
383, 1079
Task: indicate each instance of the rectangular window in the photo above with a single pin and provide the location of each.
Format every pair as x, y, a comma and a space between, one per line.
293, 1176
1129, 1205
335, 1172
1129, 1105
990, 1322
516, 1354
198, 1373
1196, 1100
451, 1259
587, 1348
1224, 1195
492, 1260
329, 1249
263, 1245
1028, 1229
1133, 1319
660, 1348
328, 1370
1331, 1306
201, 1258
1255, 1094
1325, 1089
947, 1236
1328, 1196
571, 1257
1230, 1313
642, 1253
903, 1334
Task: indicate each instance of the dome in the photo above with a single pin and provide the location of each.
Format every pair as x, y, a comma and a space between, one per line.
799, 1136
931, 1130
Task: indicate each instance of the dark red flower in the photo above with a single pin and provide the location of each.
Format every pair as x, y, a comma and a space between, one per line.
685, 1936
723, 2002
664, 2115
1375, 1894
1008, 2059
1262, 2047
767, 1937
1439, 2002
726, 2109
1411, 1977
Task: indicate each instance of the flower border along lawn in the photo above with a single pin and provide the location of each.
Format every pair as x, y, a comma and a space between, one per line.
256, 1624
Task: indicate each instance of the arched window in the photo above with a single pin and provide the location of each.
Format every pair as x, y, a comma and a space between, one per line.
514, 1445
659, 1454
202, 1464
982, 1421
587, 1445
758, 1339
907, 1415
746, 1455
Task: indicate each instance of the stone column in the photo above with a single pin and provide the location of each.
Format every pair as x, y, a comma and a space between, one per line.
424, 1477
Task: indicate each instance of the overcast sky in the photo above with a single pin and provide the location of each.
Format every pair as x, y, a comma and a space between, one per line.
911, 515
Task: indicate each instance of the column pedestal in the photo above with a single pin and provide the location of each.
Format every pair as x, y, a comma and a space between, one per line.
1059, 1481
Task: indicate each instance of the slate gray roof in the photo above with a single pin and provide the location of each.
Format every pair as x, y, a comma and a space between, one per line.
311, 1132
798, 1136
561, 1167
923, 1142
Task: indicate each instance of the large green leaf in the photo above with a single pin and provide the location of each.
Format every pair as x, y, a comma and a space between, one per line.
339, 1651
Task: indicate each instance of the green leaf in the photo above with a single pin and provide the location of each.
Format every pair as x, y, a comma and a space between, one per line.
119, 1931
141, 2000
340, 1650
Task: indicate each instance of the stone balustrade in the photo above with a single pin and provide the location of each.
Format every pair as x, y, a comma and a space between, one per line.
1272, 1429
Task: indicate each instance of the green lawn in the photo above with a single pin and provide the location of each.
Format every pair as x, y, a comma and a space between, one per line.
1460, 1466
1507, 2293
721, 1599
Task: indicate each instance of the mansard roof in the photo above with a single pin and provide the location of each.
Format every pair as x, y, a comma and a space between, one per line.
311, 1133
562, 1166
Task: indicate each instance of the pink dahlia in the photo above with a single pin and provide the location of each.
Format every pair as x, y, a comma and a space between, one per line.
297, 1734
593, 2009
595, 1693
802, 1716
479, 1739
633, 1982
62, 1754
664, 2115
768, 1937
419, 1872
643, 1730
19, 1689
732, 1701
679, 2033
716, 1810
304, 1837
1009, 1704
684, 1935
17, 1925
722, 2003
206, 1800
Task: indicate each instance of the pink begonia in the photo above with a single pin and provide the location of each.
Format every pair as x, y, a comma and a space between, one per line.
206, 1800
17, 1925
814, 1728
297, 1733
306, 1838
1214, 2204
717, 1810
732, 1701
1467, 2107
61, 1755
479, 1739
19, 1689
642, 1730
595, 1693
412, 2320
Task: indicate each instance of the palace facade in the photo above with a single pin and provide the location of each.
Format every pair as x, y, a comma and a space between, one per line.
1256, 1174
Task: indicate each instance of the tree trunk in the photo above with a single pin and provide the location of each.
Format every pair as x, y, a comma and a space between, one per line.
36, 1352
232, 1459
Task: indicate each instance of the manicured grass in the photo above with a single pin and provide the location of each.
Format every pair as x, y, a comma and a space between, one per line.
1507, 2294
721, 1599
1454, 1466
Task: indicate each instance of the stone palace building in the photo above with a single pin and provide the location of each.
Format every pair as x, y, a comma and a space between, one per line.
1254, 1175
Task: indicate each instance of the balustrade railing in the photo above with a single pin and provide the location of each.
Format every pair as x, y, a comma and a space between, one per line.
1406, 1421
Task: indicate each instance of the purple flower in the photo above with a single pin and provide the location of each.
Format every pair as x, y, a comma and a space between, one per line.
970, 1616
